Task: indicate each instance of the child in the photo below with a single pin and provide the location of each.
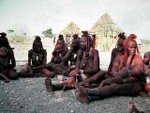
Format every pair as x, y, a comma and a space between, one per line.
146, 60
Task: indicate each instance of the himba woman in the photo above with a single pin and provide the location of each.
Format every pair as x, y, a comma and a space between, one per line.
57, 64
71, 55
7, 64
37, 58
7, 59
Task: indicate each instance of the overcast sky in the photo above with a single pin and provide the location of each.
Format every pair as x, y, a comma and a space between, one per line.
35, 16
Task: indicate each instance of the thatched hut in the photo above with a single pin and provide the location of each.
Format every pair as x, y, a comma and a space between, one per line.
106, 30
68, 31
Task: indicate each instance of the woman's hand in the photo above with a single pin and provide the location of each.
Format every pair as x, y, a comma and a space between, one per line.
73, 72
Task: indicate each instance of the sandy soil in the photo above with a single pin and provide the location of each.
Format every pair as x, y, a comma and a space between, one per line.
29, 95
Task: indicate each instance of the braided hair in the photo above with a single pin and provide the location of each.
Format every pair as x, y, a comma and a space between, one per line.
131, 37
37, 40
77, 41
88, 39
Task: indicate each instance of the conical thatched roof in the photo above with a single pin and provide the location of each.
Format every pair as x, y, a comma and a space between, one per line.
105, 30
105, 24
68, 32
71, 29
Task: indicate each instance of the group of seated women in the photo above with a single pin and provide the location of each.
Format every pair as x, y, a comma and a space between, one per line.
80, 64
126, 74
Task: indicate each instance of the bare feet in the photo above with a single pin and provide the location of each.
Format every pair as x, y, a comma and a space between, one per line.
49, 85
7, 80
132, 108
147, 89
143, 94
80, 96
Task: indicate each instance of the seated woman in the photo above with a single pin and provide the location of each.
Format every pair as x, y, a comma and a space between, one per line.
71, 55
87, 64
57, 64
117, 62
119, 50
7, 64
146, 60
37, 58
126, 82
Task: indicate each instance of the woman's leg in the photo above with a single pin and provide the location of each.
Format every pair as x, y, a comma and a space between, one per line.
48, 73
59, 68
4, 77
84, 94
55, 87
98, 77
26, 71
12, 74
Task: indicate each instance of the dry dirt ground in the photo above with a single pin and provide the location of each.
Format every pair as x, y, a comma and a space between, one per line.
28, 95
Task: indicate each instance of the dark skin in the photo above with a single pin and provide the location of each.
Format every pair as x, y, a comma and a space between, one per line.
132, 108
37, 58
87, 60
10, 54
115, 52
58, 61
3, 63
59, 52
93, 64
72, 53
4, 41
146, 61
117, 62
71, 56
117, 86
134, 65
7, 63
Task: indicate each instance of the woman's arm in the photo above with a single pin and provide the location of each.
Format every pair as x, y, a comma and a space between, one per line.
95, 67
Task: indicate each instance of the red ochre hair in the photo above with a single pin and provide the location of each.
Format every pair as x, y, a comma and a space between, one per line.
131, 37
